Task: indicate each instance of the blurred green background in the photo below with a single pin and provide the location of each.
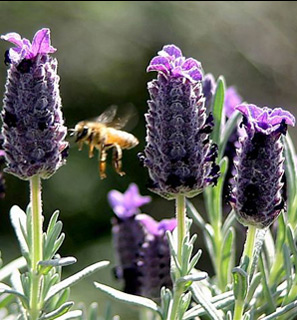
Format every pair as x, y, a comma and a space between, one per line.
103, 51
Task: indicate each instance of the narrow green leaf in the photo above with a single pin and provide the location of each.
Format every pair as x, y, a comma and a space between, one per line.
58, 312
52, 223
5, 300
266, 289
70, 281
220, 301
195, 215
269, 249
128, 298
240, 283
290, 308
253, 286
209, 308
193, 277
184, 304
194, 260
218, 109
63, 297
229, 222
50, 241
287, 266
18, 218
290, 167
291, 241
227, 256
19, 295
70, 315
7, 270
93, 312
58, 262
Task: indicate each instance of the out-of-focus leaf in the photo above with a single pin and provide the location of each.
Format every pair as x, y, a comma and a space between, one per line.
128, 298
209, 308
7, 270
70, 281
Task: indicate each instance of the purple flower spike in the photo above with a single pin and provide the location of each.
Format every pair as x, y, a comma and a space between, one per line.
257, 189
127, 204
24, 49
232, 99
33, 126
179, 154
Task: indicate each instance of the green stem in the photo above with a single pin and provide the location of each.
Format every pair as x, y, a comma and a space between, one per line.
181, 233
238, 310
36, 252
247, 254
246, 264
181, 224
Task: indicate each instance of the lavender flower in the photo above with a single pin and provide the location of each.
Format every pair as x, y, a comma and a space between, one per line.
256, 195
125, 205
32, 119
178, 154
141, 245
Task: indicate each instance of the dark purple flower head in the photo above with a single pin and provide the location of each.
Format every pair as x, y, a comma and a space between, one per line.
127, 204
178, 154
232, 99
24, 49
33, 127
257, 190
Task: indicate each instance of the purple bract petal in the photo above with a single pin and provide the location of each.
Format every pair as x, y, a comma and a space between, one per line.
232, 99
127, 204
171, 50
171, 63
24, 49
265, 120
156, 228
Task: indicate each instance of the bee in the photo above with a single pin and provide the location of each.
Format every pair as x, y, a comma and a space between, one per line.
103, 133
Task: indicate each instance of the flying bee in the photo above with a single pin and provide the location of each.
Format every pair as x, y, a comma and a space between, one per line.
103, 133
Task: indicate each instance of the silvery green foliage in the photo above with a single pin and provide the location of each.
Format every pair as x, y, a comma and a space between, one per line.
54, 291
269, 290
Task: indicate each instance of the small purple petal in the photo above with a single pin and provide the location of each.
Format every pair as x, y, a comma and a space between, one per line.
41, 43
232, 99
171, 50
191, 63
149, 223
167, 224
195, 74
14, 38
127, 204
159, 64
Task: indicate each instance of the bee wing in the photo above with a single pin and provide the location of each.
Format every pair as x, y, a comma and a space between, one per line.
108, 115
127, 113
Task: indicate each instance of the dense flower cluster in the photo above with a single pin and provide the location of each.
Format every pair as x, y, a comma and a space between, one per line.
2, 162
141, 245
33, 127
178, 154
256, 195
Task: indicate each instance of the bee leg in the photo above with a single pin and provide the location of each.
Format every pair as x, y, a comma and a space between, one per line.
117, 160
91, 150
102, 163
80, 145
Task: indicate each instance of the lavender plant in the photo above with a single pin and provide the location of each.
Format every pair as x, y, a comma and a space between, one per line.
263, 286
189, 123
35, 147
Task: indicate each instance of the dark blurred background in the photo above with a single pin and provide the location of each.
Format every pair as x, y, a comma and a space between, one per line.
103, 51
